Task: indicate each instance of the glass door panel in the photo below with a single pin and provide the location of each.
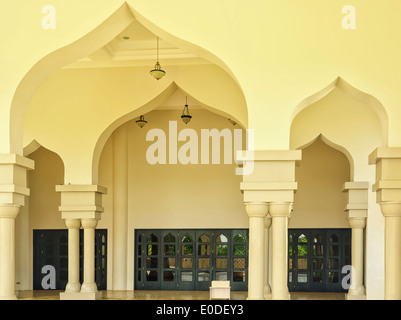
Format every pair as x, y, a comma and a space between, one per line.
316, 258
186, 265
204, 256
169, 258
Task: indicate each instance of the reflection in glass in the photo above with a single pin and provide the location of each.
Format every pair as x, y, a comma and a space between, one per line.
186, 263
239, 250
333, 263
302, 249
186, 238
239, 238
151, 275
186, 275
169, 263
318, 263
152, 249
302, 263
317, 277
203, 276
221, 238
169, 238
221, 263
239, 263
333, 238
239, 276
151, 262
317, 249
333, 250
204, 249
203, 263
302, 277
302, 239
168, 275
221, 275
186, 249
221, 249
333, 277
204, 238
152, 238
169, 250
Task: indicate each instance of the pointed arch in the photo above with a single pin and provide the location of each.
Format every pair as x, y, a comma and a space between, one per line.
334, 146
354, 93
152, 104
54, 61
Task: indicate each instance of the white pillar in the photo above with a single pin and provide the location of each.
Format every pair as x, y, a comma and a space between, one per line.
280, 213
83, 203
8, 213
357, 211
388, 195
256, 211
268, 222
73, 284
392, 214
357, 289
89, 284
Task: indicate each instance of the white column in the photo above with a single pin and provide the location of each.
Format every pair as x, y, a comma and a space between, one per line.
392, 214
8, 213
357, 289
268, 222
356, 212
388, 195
257, 212
73, 284
280, 213
89, 284
83, 203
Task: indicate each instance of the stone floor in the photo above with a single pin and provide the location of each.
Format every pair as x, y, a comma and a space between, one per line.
171, 295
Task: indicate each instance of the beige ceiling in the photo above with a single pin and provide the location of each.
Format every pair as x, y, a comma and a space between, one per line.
136, 46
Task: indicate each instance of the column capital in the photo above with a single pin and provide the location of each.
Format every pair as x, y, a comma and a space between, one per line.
256, 209
89, 223
391, 209
273, 176
81, 201
9, 211
280, 209
357, 223
73, 223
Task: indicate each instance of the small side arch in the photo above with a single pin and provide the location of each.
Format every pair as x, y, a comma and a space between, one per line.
334, 146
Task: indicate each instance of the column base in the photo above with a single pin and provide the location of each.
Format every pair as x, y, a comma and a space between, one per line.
285, 297
81, 295
9, 298
250, 298
268, 296
355, 297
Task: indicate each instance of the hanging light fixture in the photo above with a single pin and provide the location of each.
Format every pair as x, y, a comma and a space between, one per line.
157, 72
186, 117
141, 121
